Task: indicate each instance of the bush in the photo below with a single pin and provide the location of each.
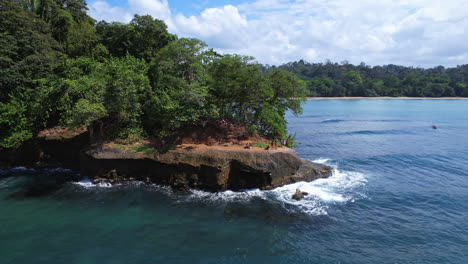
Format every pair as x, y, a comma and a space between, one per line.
260, 144
130, 135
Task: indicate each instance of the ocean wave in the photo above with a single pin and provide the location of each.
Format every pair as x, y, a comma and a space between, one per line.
321, 161
15, 170
227, 196
86, 183
388, 120
374, 132
341, 187
327, 121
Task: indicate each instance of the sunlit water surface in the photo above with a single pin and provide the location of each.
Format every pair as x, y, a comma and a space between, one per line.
399, 195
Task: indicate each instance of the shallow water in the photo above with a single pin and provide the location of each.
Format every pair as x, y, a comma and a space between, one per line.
399, 195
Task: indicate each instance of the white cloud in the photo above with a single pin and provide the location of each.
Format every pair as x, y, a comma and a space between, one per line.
409, 32
156, 8
223, 26
101, 10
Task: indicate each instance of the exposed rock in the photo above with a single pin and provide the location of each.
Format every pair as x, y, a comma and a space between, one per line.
46, 151
299, 195
207, 168
211, 169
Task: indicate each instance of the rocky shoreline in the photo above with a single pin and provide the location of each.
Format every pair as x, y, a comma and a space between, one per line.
212, 169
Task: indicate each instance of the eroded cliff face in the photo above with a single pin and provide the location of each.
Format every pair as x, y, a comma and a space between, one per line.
46, 152
210, 168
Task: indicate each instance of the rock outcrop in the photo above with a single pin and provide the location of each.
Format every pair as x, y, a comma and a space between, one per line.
299, 195
42, 152
211, 169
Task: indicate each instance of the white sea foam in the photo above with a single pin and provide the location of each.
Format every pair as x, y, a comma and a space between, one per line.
321, 161
341, 187
86, 183
227, 196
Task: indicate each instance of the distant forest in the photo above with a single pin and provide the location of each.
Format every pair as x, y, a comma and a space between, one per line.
344, 79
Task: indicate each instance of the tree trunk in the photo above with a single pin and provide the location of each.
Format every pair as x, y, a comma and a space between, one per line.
91, 132
101, 129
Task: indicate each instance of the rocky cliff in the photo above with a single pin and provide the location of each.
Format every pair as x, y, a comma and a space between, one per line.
215, 168
207, 168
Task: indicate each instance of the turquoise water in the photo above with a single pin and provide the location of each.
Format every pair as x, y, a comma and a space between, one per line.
399, 195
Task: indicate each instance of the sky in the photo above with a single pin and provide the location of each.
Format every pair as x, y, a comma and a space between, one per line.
418, 33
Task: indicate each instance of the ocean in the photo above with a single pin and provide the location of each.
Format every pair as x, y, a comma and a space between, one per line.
399, 194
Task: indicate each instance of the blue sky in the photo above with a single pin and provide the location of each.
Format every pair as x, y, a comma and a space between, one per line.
419, 33
196, 6
186, 7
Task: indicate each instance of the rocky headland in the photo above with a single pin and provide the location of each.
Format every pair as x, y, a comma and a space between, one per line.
186, 166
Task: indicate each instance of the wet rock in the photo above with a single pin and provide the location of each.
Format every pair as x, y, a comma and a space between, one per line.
299, 195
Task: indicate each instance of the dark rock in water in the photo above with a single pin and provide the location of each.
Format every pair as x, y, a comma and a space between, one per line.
299, 195
210, 169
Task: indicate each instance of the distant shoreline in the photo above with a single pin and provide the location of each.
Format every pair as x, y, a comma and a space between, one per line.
386, 97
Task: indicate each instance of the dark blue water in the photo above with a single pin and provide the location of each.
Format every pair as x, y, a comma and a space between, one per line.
399, 195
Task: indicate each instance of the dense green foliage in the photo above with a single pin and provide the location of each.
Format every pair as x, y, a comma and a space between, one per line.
58, 67
336, 80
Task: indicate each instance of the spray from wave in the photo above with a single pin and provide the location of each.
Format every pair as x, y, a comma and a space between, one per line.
341, 187
89, 184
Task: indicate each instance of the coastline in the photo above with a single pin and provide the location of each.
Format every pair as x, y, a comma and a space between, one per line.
184, 167
386, 97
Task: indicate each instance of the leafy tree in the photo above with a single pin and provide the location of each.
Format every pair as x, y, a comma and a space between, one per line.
236, 85
28, 56
81, 39
86, 112
14, 124
142, 38
353, 83
242, 93
179, 81
28, 52
116, 37
149, 36
287, 93
111, 93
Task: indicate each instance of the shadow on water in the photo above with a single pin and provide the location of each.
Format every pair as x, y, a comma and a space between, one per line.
37, 183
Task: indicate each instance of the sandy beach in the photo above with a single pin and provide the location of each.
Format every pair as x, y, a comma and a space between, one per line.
386, 97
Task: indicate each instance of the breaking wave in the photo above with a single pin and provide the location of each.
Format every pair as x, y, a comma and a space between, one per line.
86, 183
341, 187
327, 121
